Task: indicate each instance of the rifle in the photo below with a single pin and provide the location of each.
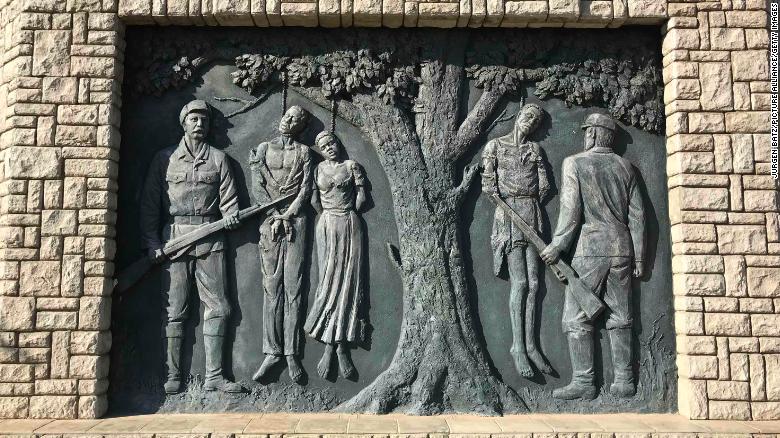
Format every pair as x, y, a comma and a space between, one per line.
176, 247
588, 300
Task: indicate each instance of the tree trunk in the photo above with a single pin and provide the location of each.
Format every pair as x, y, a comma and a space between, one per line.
440, 364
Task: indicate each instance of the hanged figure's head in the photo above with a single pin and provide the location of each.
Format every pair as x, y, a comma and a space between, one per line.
293, 121
330, 145
528, 119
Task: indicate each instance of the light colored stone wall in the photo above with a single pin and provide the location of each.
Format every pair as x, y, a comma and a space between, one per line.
59, 120
59, 147
724, 210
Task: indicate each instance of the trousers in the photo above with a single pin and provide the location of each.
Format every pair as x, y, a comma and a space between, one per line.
282, 268
208, 273
611, 278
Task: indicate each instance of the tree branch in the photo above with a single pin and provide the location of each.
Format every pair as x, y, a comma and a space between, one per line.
469, 172
475, 123
247, 104
345, 109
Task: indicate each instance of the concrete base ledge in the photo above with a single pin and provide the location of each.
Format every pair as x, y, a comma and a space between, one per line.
390, 426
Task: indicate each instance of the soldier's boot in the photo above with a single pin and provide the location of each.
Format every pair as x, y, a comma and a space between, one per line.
172, 368
215, 381
582, 381
620, 344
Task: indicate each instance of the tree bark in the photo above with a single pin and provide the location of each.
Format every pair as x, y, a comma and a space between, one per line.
440, 364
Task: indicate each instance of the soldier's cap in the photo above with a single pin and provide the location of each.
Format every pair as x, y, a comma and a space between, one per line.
199, 106
601, 121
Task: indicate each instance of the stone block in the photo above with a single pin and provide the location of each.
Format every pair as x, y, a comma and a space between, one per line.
56, 320
742, 153
58, 222
35, 339
764, 411
95, 313
50, 54
699, 284
56, 386
33, 162
367, 13
728, 390
72, 274
715, 81
93, 406
17, 313
762, 200
523, 11
40, 279
720, 304
564, 9
16, 373
60, 354
741, 239
696, 198
748, 19
736, 276
77, 114
701, 367
93, 386
89, 367
727, 324
698, 264
765, 325
76, 135
729, 410
750, 65
677, 39
50, 406
90, 342
138, 11
13, 407
693, 398
706, 122
646, 9
60, 89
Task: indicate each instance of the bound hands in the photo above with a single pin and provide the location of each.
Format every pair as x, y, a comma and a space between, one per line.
281, 226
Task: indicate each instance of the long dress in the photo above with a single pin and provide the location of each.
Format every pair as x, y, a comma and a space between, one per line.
336, 314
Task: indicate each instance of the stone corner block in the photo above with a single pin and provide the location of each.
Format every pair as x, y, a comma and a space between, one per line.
31, 162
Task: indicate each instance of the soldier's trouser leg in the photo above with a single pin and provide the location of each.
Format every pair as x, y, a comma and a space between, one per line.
518, 280
579, 330
272, 265
210, 279
293, 282
617, 296
176, 277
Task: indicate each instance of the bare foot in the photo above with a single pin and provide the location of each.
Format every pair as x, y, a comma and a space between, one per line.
268, 363
522, 366
295, 370
539, 361
346, 367
323, 367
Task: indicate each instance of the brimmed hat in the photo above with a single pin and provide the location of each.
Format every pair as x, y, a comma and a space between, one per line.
599, 120
199, 106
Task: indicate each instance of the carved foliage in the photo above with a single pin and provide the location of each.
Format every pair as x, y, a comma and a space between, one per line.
585, 68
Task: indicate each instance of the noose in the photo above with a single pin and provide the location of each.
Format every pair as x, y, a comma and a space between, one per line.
284, 92
333, 109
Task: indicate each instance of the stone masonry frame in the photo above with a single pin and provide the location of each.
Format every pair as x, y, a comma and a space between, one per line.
60, 100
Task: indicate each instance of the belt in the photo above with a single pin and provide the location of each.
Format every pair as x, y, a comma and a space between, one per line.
193, 220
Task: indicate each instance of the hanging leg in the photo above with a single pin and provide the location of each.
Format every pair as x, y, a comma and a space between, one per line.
323, 367
534, 353
346, 367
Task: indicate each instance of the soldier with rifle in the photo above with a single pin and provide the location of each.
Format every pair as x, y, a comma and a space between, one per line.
600, 201
188, 186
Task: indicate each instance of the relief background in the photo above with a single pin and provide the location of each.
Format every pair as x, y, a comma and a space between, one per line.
150, 123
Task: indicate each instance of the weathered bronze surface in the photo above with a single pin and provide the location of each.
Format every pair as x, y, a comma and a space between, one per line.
426, 297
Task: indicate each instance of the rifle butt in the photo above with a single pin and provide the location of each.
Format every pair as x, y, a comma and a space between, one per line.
132, 274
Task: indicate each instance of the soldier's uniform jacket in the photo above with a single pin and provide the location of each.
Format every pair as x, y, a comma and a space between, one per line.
600, 192
183, 192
